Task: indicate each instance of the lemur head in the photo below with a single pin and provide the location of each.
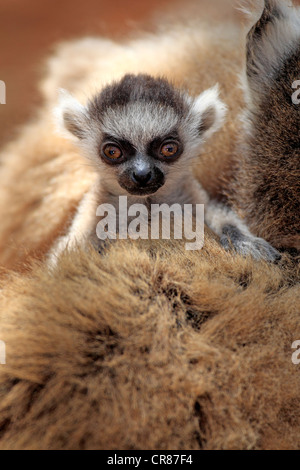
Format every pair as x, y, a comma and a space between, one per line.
141, 131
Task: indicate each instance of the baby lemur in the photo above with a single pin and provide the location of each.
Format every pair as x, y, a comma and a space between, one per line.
142, 135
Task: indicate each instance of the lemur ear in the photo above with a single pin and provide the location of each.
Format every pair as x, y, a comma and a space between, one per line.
71, 116
209, 111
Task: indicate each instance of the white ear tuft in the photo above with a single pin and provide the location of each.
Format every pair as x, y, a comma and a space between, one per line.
210, 111
70, 115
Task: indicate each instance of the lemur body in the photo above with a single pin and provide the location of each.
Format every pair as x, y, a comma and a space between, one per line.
52, 178
267, 188
142, 135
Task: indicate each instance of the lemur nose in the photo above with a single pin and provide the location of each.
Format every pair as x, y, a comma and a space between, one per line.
142, 177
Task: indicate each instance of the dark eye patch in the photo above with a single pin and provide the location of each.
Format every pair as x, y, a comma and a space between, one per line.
128, 150
153, 148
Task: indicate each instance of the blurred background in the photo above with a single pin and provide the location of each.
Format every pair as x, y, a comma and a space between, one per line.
29, 30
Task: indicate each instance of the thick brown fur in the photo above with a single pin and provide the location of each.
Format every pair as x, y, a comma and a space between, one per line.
151, 349
147, 346
268, 178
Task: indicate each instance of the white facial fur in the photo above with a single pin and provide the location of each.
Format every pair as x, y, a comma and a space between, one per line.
140, 123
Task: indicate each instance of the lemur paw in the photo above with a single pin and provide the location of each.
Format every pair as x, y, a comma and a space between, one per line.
245, 245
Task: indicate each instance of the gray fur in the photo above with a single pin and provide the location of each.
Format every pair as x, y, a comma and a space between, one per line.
258, 248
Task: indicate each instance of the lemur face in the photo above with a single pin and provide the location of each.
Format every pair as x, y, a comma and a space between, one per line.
141, 168
141, 132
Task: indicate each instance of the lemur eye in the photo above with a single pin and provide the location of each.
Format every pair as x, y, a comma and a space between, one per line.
169, 150
112, 152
